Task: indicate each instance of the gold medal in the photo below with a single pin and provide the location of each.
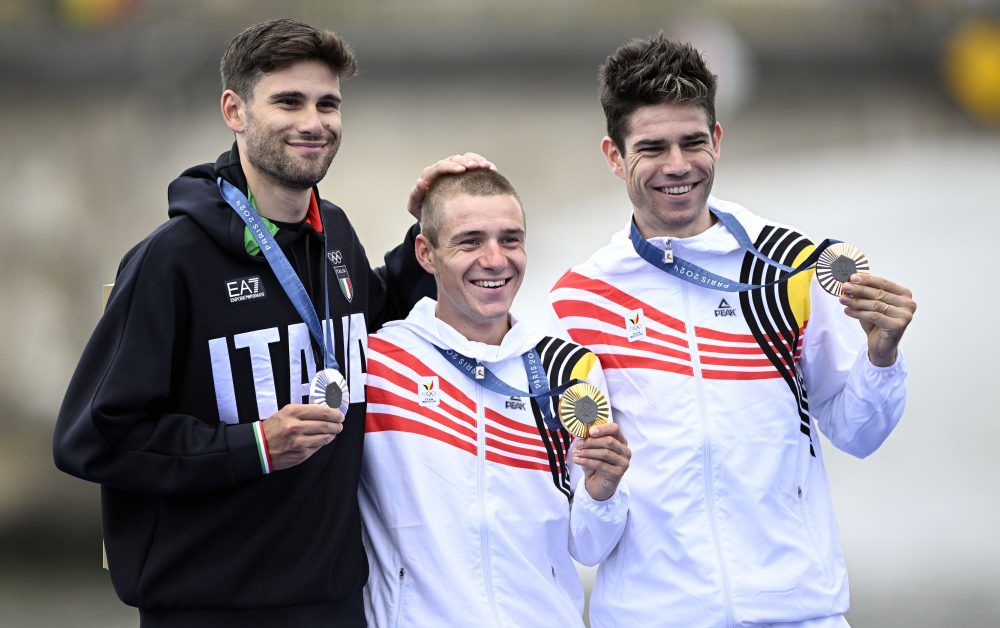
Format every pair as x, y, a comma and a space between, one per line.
581, 407
836, 265
329, 388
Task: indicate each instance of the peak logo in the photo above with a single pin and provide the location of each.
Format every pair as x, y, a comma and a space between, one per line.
245, 289
514, 403
724, 309
428, 392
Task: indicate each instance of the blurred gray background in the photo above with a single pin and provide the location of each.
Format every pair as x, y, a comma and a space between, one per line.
876, 122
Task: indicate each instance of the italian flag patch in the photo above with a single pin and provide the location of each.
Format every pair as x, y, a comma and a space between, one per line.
344, 280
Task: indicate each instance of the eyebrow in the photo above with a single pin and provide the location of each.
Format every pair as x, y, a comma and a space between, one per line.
474, 233
297, 95
657, 143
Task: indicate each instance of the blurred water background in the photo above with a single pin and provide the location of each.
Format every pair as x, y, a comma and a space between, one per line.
876, 122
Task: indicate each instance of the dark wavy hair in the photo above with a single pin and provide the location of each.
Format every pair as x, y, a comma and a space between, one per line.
276, 44
651, 72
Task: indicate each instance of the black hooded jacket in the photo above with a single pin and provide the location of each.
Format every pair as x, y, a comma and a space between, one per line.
199, 341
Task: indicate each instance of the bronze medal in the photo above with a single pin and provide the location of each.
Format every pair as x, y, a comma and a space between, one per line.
836, 265
581, 407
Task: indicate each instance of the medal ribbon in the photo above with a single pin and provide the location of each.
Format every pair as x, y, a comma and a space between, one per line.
283, 270
692, 273
536, 380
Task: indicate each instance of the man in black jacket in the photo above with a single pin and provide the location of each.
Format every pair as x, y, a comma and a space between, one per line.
228, 499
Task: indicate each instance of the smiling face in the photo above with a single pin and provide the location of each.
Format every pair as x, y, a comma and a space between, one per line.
478, 263
668, 166
289, 128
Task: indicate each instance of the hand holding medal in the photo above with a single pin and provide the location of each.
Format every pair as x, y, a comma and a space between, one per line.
600, 448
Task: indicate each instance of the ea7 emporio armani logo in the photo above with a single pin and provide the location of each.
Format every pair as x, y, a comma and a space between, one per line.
724, 309
335, 256
245, 289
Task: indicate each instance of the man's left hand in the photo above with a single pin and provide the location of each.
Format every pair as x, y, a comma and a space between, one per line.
884, 309
604, 457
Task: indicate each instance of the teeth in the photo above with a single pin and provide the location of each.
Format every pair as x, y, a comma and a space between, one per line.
681, 189
490, 284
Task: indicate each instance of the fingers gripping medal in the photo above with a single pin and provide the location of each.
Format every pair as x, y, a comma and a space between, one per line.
836, 265
581, 407
329, 388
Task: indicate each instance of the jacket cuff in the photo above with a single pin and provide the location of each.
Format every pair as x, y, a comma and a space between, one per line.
244, 452
614, 508
879, 381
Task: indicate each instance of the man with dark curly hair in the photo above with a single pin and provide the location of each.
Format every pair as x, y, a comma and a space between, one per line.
720, 365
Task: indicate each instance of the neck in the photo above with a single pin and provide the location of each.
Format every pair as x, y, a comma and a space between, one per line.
276, 202
490, 334
664, 229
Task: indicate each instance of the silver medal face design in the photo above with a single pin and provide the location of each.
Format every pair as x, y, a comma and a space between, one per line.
582, 407
836, 265
329, 388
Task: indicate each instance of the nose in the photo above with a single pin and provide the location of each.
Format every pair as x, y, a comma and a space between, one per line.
492, 256
675, 163
310, 122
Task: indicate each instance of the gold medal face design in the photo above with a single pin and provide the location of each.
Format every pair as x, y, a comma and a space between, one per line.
329, 388
836, 265
581, 407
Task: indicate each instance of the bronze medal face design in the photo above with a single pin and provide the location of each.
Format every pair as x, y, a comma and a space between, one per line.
329, 388
836, 265
581, 407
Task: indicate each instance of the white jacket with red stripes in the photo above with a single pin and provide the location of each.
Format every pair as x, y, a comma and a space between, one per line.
719, 395
468, 500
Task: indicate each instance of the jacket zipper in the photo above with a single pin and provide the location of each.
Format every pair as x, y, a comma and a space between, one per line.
707, 457
399, 600
483, 529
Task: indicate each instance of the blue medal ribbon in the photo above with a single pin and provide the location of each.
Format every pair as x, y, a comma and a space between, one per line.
692, 273
283, 270
537, 381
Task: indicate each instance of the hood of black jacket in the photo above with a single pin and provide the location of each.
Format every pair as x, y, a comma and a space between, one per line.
195, 194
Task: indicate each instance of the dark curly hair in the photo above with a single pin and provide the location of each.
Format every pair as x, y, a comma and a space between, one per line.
651, 72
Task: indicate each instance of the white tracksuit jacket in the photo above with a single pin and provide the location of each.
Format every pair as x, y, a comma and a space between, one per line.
719, 394
465, 495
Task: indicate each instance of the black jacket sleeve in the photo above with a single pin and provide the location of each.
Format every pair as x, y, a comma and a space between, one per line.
115, 426
396, 287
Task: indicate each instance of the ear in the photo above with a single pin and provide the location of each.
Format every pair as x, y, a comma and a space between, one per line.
616, 161
233, 111
425, 253
717, 140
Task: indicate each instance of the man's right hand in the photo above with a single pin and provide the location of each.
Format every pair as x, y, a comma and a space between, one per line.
298, 430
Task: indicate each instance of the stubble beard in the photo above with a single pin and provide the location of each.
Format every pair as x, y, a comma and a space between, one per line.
266, 153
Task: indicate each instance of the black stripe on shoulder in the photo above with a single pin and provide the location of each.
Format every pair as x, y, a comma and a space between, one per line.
769, 314
559, 357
